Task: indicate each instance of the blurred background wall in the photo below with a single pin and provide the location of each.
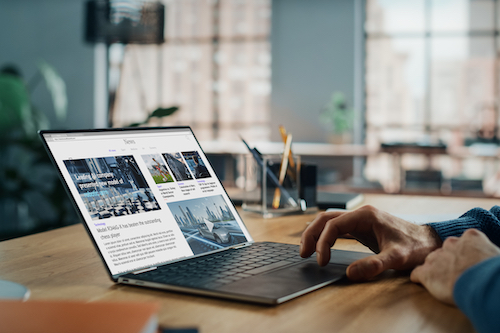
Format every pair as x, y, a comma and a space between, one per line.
50, 30
312, 45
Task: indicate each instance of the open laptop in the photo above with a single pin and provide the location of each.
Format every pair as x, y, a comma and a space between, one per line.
159, 217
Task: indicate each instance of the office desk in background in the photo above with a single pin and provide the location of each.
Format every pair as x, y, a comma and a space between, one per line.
62, 264
486, 153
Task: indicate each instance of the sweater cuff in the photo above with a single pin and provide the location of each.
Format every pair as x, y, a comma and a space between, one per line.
454, 227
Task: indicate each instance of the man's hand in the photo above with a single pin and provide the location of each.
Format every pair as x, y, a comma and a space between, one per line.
442, 267
399, 244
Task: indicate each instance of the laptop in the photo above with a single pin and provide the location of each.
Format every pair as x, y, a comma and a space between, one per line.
159, 217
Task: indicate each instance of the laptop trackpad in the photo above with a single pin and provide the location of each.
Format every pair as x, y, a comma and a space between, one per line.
287, 281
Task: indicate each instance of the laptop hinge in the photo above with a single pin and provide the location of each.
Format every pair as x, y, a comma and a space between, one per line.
145, 270
242, 245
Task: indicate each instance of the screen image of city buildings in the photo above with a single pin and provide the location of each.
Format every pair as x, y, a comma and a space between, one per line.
157, 168
196, 164
178, 167
207, 223
111, 186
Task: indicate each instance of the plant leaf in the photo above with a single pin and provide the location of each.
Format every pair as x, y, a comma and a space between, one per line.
57, 88
163, 112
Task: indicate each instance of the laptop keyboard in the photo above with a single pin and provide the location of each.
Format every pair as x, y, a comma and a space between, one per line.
225, 267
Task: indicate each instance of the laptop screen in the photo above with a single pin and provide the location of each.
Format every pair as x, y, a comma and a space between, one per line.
148, 196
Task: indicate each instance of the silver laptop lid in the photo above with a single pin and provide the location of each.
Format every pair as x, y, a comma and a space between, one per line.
147, 196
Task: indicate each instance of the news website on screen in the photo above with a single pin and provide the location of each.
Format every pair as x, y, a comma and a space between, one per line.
147, 197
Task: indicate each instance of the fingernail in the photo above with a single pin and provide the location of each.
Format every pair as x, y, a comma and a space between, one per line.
318, 257
353, 272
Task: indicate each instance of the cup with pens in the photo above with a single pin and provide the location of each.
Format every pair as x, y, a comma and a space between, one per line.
272, 181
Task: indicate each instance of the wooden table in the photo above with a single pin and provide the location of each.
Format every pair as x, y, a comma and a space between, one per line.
62, 264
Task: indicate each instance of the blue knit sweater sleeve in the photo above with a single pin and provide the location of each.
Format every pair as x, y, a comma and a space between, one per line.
477, 295
477, 218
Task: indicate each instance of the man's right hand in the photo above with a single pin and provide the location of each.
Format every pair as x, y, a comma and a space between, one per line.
398, 244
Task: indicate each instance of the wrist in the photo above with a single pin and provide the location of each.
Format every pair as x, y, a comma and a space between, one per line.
434, 241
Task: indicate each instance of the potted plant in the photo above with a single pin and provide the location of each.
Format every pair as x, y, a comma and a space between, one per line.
32, 198
338, 118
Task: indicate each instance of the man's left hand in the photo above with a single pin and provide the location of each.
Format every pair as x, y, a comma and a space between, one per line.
443, 267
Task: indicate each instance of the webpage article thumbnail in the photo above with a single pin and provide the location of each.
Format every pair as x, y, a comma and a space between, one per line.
207, 223
111, 186
157, 168
178, 167
195, 163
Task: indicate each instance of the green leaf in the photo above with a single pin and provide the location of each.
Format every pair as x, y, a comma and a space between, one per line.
57, 88
158, 113
15, 108
163, 112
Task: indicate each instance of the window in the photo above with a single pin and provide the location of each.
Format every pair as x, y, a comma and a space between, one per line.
215, 65
432, 75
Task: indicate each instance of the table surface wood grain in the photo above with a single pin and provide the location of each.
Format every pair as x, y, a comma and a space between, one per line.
63, 264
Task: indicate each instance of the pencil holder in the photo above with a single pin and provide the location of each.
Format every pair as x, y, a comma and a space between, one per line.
272, 185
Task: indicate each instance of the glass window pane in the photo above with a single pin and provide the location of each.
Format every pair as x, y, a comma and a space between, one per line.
210, 82
449, 15
482, 15
244, 89
395, 16
480, 87
462, 80
395, 81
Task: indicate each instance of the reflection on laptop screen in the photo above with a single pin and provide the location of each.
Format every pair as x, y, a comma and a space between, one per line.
147, 197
